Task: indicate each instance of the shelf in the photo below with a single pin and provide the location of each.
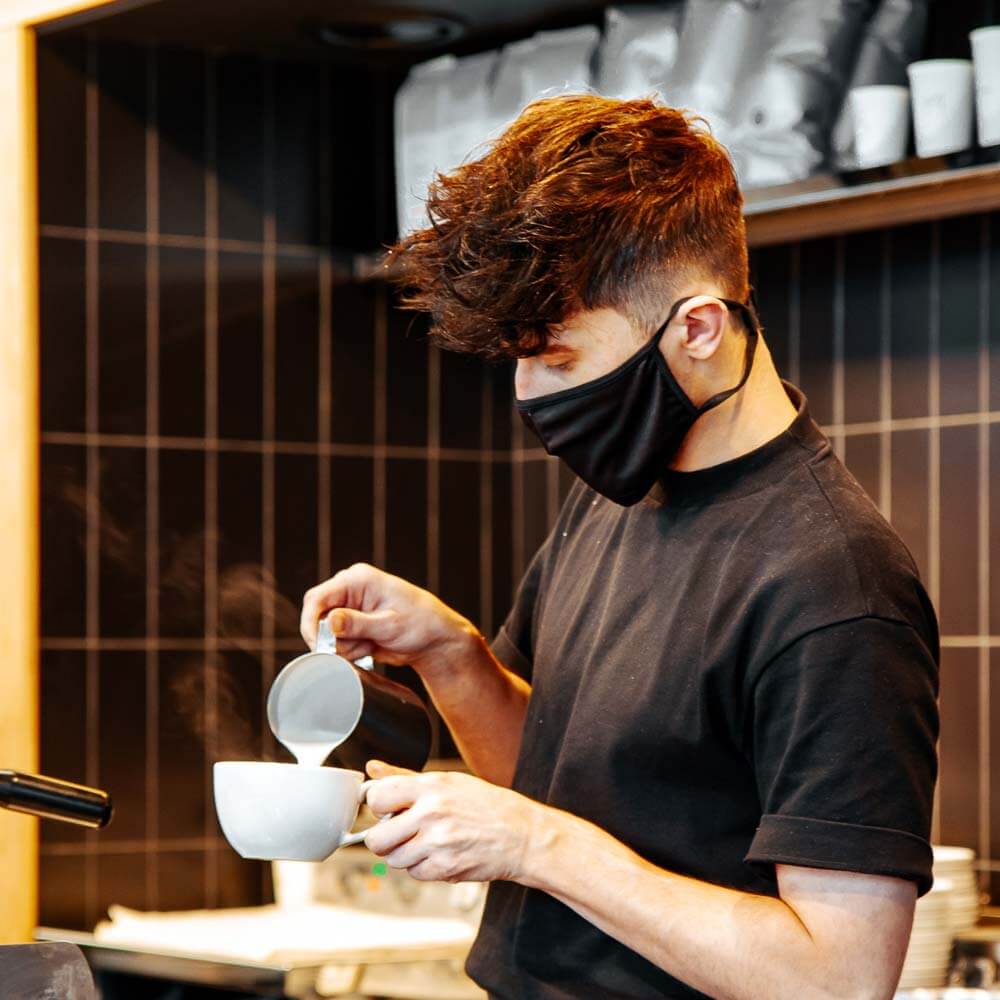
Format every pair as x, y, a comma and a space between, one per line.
829, 205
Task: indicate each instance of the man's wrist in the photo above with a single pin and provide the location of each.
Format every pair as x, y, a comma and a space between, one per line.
550, 838
453, 657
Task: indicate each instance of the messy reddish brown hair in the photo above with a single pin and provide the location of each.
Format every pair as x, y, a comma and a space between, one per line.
584, 202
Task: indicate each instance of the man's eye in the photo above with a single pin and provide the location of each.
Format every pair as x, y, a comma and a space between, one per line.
562, 367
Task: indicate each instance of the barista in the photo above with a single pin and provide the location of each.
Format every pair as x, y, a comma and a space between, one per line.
702, 744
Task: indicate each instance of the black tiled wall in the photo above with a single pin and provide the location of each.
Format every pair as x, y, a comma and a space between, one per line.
226, 420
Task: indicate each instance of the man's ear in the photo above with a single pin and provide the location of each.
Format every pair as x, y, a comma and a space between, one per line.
702, 322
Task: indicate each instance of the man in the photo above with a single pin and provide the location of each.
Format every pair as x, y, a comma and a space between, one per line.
704, 740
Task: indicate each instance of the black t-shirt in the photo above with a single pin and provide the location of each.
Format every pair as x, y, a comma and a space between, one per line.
737, 671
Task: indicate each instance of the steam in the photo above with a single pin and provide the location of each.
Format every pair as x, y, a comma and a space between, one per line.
250, 604
216, 696
211, 696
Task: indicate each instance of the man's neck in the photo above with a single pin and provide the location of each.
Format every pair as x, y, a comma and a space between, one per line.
760, 411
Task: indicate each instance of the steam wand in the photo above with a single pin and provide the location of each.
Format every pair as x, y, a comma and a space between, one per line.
52, 798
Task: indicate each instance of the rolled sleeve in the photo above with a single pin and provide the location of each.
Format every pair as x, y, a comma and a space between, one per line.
823, 843
507, 652
843, 741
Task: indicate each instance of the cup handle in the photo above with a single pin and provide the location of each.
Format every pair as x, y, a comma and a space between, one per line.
355, 838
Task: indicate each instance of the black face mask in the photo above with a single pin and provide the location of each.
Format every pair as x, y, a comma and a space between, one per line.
619, 432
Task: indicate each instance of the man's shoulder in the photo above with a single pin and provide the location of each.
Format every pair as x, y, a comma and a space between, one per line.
825, 553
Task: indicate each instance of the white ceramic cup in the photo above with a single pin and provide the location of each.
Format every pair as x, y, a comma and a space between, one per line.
986, 62
941, 90
881, 116
291, 812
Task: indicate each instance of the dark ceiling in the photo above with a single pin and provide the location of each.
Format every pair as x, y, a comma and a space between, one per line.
361, 29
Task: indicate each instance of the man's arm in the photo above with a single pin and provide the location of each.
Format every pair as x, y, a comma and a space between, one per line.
373, 613
832, 934
483, 704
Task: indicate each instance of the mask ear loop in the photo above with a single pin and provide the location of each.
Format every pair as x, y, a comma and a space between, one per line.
655, 339
752, 337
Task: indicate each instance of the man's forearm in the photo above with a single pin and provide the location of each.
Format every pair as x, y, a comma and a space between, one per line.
483, 704
731, 945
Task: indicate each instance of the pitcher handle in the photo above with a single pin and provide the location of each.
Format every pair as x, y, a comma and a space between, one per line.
326, 642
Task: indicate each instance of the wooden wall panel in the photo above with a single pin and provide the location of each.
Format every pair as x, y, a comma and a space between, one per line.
18, 472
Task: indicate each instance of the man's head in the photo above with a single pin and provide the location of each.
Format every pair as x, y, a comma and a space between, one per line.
585, 207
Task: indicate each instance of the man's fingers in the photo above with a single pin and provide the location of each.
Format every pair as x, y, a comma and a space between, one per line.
392, 833
380, 769
348, 588
354, 649
413, 852
389, 795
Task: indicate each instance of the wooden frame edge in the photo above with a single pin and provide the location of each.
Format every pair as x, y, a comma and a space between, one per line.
19, 505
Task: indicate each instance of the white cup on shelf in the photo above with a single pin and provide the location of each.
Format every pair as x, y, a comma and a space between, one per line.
986, 62
941, 91
881, 116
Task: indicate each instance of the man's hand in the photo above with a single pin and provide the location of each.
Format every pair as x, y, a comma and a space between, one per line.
449, 827
373, 613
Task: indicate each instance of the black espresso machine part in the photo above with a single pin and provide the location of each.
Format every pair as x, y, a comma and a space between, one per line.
52, 798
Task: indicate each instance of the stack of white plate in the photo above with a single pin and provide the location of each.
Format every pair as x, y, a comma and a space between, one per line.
929, 952
949, 993
956, 865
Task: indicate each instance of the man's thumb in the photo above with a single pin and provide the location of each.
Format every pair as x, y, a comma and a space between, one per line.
346, 623
380, 769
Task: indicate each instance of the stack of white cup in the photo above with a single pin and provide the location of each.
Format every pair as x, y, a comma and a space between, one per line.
942, 105
986, 59
946, 96
881, 115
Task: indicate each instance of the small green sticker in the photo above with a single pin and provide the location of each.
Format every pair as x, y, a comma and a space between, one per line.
379, 868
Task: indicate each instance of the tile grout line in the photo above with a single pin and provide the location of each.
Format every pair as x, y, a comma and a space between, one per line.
379, 404
934, 405
839, 293
985, 819
486, 503
248, 445
101, 846
517, 500
551, 491
182, 241
433, 469
934, 455
379, 485
325, 375
970, 641
794, 312
174, 644
211, 430
268, 402
91, 280
885, 379
500, 456
152, 477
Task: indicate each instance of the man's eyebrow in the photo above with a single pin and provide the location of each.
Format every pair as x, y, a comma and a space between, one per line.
558, 347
